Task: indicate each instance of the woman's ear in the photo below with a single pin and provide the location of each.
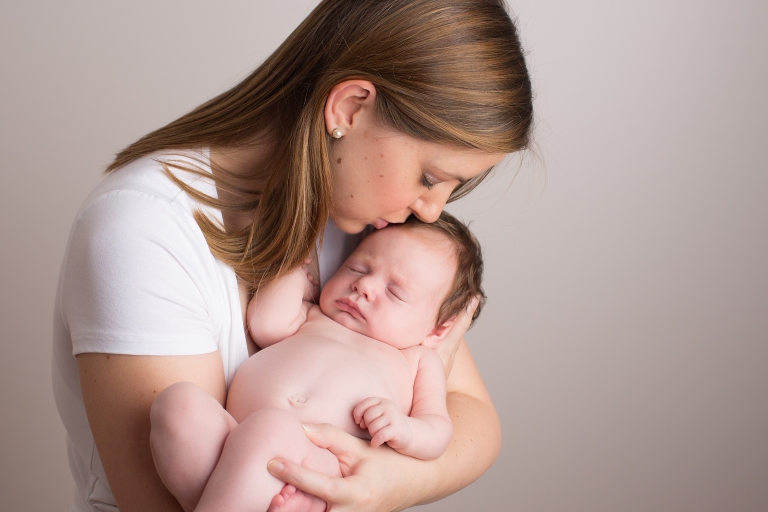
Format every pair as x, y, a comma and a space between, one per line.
346, 103
438, 334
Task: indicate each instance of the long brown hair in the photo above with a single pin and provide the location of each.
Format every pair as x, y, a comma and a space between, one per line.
446, 71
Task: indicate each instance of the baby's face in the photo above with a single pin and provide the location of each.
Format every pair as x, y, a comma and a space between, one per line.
391, 287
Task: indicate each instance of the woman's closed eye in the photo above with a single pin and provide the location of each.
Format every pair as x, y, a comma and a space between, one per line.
428, 181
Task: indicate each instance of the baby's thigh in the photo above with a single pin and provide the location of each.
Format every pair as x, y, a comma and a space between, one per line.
184, 410
241, 480
272, 432
189, 428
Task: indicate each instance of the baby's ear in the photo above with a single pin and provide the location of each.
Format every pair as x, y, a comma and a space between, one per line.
438, 334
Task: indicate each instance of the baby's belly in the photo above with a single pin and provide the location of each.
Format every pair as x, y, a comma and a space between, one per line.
318, 379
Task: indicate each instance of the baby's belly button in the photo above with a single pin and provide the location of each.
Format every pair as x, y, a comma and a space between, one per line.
297, 400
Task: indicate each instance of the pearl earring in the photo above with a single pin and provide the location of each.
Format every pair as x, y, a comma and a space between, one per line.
336, 133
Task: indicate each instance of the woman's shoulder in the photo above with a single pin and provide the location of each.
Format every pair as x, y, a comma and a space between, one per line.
138, 207
146, 180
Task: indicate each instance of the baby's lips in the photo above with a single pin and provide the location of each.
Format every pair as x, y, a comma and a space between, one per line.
350, 307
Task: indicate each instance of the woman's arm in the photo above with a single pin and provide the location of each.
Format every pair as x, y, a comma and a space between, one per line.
475, 448
118, 391
379, 479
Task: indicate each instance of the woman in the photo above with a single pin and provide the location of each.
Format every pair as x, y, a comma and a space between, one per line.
369, 112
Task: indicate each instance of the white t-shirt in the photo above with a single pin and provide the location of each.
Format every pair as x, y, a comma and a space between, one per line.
138, 278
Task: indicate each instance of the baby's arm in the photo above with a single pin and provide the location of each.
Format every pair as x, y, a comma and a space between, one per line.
280, 308
424, 434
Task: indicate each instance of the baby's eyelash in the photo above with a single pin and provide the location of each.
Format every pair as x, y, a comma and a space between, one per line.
427, 181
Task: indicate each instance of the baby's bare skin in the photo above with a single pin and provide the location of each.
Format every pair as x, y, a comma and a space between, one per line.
362, 360
310, 374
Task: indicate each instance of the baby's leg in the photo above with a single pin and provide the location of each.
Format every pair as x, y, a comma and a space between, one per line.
241, 481
189, 428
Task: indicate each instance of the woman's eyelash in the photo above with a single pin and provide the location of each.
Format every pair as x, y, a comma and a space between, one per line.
427, 181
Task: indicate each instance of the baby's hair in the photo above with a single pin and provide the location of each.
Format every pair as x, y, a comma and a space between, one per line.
467, 281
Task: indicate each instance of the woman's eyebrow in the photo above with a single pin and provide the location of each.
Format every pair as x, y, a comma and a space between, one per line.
451, 175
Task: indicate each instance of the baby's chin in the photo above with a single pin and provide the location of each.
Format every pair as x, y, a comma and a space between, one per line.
346, 320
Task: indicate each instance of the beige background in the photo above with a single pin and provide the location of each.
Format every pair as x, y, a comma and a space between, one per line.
625, 341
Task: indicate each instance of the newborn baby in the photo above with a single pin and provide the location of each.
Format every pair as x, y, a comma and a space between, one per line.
361, 360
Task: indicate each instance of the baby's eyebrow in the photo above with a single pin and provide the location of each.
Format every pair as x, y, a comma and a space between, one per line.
399, 282
364, 255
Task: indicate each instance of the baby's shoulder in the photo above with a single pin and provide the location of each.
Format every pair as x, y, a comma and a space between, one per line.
314, 314
317, 322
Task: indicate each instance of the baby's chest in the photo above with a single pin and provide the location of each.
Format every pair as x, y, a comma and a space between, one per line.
355, 368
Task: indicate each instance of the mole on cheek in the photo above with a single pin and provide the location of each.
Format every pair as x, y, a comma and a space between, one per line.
381, 155
338, 161
381, 175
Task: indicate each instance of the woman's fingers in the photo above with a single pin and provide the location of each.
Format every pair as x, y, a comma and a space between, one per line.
336, 491
344, 446
326, 488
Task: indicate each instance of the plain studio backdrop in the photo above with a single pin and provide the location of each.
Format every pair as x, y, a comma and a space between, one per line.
625, 340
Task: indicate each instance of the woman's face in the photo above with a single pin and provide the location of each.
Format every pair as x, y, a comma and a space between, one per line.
381, 176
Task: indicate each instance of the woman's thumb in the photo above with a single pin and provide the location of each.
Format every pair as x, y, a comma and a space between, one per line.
332, 438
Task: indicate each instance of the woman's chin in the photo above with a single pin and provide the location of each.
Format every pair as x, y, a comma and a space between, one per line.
350, 226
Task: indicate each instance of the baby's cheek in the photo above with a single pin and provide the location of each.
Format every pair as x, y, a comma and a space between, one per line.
326, 299
394, 332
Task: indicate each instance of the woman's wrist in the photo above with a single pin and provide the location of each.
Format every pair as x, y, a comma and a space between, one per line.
412, 482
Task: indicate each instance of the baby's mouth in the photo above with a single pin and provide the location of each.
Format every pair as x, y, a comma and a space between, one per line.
350, 307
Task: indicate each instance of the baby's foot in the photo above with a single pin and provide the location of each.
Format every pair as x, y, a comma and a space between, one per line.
291, 499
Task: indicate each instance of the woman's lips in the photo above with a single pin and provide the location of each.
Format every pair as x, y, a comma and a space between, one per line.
349, 307
380, 223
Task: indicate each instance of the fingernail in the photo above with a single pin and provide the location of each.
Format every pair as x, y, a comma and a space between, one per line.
275, 466
310, 427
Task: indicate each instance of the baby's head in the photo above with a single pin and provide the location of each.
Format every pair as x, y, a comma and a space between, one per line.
405, 284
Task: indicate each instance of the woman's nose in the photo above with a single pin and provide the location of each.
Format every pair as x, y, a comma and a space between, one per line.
428, 206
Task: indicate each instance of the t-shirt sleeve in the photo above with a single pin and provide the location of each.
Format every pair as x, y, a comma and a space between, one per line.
136, 279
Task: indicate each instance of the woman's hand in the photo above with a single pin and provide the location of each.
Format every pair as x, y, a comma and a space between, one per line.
382, 480
448, 347
374, 478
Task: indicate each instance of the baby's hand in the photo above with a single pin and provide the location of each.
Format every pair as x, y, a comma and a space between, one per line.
385, 422
311, 293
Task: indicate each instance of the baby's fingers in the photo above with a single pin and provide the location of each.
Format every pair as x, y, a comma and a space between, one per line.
380, 430
386, 433
359, 411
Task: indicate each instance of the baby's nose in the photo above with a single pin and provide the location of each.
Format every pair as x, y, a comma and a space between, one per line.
365, 288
